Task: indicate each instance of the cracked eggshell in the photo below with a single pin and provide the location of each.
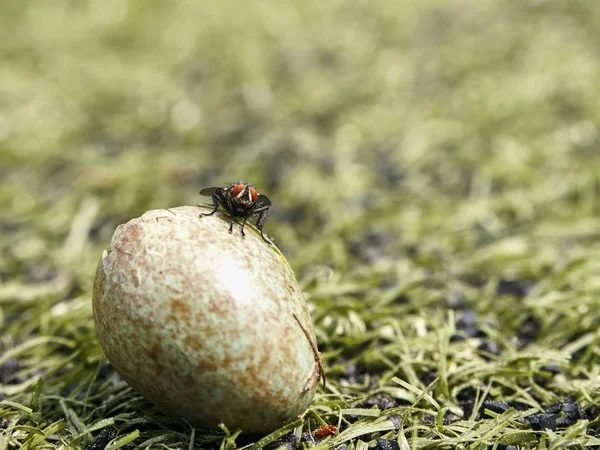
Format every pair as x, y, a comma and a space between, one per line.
203, 322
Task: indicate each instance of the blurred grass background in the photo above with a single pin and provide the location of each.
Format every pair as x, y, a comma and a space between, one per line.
429, 162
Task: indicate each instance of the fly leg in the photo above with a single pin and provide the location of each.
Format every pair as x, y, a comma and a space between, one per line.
217, 198
230, 210
243, 224
261, 207
263, 215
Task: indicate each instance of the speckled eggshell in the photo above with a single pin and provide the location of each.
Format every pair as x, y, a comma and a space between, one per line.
203, 322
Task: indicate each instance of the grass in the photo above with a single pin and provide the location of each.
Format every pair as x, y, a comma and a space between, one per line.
435, 173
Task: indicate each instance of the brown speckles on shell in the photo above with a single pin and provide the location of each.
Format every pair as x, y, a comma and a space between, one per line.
201, 321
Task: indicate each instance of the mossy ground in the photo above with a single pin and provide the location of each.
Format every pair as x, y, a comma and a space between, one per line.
435, 173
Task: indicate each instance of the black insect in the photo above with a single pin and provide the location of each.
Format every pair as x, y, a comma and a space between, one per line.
240, 199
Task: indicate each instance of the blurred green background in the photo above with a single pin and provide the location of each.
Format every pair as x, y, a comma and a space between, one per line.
345, 113
430, 149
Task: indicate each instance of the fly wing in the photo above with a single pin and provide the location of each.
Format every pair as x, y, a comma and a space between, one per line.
262, 202
209, 191
262, 207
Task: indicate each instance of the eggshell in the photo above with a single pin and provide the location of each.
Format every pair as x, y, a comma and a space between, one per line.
208, 325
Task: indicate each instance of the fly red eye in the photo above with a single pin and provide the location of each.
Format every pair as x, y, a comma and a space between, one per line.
254, 194
235, 190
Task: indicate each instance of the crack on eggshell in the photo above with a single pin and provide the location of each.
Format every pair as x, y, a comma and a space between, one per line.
169, 219
154, 214
315, 350
313, 378
122, 251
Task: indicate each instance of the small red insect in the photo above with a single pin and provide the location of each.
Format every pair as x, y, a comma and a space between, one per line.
324, 431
